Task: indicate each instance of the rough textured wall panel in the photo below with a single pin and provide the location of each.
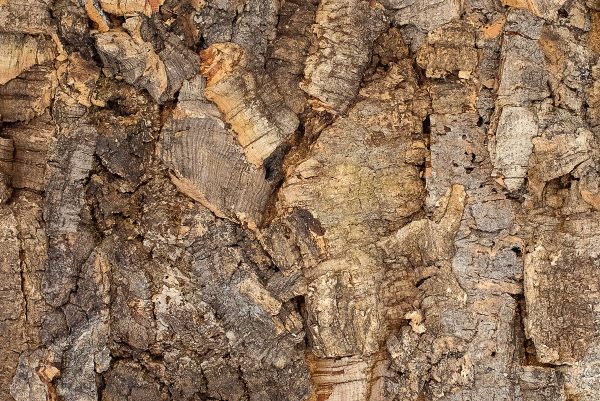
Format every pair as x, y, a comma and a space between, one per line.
299, 200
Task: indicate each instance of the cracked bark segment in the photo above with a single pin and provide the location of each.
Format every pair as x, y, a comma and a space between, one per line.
357, 156
28, 210
512, 145
268, 339
523, 78
25, 225
499, 270
434, 368
295, 242
542, 8
426, 241
184, 338
12, 303
127, 380
7, 150
487, 261
230, 350
36, 20
122, 146
442, 356
435, 349
33, 379
256, 111
458, 152
80, 369
162, 325
29, 95
128, 7
250, 24
287, 53
581, 381
30, 142
345, 31
450, 49
72, 163
207, 163
568, 64
425, 15
589, 185
73, 25
255, 26
20, 52
556, 156
129, 54
215, 21
538, 383
138, 62
563, 147
593, 97
564, 325
131, 296
349, 378
70, 239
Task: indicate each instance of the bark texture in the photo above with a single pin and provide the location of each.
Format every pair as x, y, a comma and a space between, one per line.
299, 200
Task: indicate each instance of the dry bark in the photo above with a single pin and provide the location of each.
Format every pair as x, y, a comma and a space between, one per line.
334, 200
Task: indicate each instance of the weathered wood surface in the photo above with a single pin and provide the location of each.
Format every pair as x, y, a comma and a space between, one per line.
321, 200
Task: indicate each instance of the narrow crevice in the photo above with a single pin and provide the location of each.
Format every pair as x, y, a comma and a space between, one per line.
525, 347
23, 279
289, 155
299, 303
426, 126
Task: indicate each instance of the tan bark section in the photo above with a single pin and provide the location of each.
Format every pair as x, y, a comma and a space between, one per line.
256, 112
21, 52
348, 378
128, 7
542, 8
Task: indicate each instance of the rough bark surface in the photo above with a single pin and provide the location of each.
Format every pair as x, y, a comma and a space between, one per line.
299, 200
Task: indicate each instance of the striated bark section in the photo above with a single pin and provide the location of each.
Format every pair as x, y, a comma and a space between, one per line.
289, 50
21, 52
29, 159
26, 75
207, 162
255, 110
134, 55
345, 32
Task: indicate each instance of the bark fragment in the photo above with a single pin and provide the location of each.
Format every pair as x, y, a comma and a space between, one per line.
345, 32
208, 164
161, 73
255, 110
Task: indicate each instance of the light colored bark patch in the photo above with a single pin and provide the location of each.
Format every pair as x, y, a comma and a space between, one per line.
516, 129
257, 114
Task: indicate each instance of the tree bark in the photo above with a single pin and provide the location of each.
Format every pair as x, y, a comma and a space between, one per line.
285, 200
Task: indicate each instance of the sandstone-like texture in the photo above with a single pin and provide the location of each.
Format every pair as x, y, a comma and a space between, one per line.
299, 200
